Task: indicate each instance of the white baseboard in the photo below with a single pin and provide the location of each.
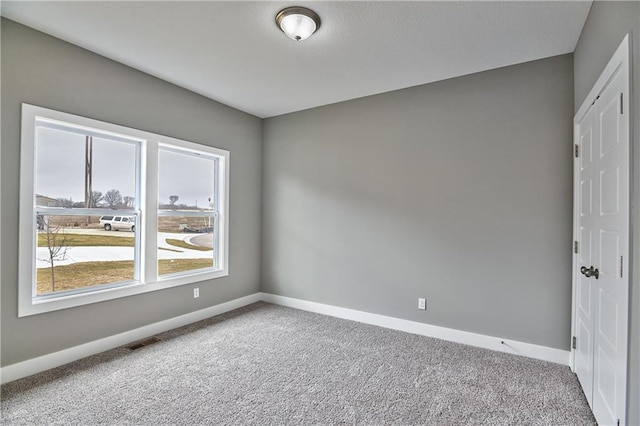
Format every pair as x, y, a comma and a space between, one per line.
483, 341
56, 359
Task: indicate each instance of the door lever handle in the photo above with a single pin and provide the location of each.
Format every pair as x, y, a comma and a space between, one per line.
590, 272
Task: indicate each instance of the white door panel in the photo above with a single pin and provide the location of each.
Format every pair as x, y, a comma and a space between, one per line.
613, 224
602, 230
609, 191
585, 318
606, 393
609, 255
608, 112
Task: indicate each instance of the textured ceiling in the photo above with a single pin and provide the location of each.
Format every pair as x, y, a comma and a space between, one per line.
233, 52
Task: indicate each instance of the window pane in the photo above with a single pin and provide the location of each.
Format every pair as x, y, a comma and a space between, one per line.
185, 181
75, 252
68, 163
82, 227
185, 243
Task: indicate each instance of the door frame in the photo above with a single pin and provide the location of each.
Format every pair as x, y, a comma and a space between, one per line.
621, 59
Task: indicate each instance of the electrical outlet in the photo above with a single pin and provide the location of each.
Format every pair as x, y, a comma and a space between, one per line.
422, 303
196, 293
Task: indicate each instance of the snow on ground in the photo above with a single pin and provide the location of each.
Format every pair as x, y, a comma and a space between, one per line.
112, 253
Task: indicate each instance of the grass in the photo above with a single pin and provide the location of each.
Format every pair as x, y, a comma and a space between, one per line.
172, 223
168, 249
89, 274
182, 244
171, 266
81, 240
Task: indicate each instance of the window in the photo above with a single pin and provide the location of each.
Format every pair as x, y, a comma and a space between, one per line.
187, 203
108, 211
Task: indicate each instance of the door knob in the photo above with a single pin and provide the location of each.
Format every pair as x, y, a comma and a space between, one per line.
590, 272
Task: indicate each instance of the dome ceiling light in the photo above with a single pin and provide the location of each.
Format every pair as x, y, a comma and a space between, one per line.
298, 23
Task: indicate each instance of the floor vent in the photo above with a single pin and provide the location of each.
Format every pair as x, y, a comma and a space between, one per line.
147, 342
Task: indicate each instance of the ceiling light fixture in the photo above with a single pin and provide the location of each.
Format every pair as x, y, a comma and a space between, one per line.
298, 23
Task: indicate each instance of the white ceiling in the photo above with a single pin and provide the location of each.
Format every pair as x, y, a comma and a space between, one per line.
232, 51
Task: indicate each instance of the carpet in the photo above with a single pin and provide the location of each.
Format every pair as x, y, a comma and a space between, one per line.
266, 364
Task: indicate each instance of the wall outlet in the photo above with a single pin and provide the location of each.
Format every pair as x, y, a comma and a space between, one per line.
422, 303
196, 293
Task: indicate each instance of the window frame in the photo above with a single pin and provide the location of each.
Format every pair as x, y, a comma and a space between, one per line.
146, 210
214, 212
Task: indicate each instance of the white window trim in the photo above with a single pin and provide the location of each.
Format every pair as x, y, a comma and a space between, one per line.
148, 204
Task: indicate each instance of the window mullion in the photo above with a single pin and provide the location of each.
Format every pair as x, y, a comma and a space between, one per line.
191, 213
57, 211
150, 195
140, 204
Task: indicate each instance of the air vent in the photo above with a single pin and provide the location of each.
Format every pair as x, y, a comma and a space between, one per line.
147, 342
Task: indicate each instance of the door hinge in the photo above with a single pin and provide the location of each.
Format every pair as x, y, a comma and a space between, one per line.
621, 266
621, 103
573, 342
575, 247
576, 150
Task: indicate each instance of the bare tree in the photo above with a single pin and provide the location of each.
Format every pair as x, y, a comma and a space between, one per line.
96, 198
129, 201
113, 198
94, 201
64, 202
56, 247
173, 199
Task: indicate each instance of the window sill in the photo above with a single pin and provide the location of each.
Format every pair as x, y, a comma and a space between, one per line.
29, 306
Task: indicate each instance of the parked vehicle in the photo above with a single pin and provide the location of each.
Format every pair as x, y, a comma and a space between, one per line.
117, 223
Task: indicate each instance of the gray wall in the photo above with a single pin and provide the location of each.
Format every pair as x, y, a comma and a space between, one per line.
45, 71
458, 191
605, 28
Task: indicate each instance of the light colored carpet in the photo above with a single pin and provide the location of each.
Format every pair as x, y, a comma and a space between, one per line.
265, 364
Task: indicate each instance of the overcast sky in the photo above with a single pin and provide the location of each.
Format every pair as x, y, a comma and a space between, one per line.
187, 176
60, 163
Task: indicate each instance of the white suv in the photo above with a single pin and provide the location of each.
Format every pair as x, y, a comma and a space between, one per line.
117, 223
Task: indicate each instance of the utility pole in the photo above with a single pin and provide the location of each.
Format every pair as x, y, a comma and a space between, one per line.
88, 175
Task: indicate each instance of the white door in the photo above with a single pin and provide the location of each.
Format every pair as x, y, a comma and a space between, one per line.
601, 276
611, 289
585, 318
